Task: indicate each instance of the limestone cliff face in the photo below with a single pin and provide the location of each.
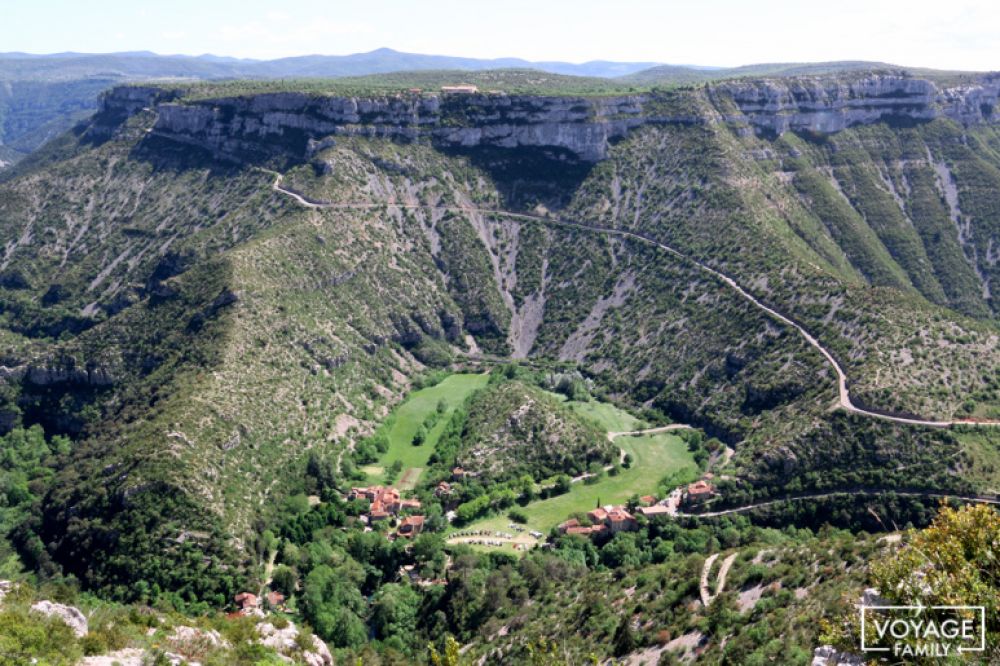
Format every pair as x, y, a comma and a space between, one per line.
288, 121
290, 124
828, 105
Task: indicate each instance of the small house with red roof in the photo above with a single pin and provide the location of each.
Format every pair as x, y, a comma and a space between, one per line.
699, 491
247, 602
411, 526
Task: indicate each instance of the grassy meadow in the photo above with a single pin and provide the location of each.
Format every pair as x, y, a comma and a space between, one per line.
408, 417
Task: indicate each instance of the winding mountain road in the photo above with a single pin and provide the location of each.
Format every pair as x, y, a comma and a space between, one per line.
985, 499
844, 397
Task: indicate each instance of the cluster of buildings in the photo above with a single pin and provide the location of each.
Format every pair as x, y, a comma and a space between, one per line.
650, 507
614, 519
385, 502
603, 520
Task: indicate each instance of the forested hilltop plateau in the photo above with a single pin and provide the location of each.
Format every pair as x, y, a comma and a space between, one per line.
212, 296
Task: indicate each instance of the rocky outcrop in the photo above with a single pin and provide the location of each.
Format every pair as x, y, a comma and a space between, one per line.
831, 104
90, 377
68, 614
187, 641
286, 641
131, 99
121, 102
93, 375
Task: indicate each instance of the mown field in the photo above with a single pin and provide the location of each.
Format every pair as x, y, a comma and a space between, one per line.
611, 418
408, 417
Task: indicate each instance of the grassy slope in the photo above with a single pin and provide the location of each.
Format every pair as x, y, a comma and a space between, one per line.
983, 463
610, 417
797, 580
791, 233
410, 414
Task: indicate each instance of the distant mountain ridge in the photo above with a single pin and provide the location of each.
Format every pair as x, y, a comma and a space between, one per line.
15, 66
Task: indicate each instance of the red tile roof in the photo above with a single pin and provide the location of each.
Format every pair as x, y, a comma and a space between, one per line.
700, 488
578, 529
597, 515
246, 600
411, 525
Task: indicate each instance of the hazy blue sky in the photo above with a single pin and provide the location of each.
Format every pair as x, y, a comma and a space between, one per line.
954, 34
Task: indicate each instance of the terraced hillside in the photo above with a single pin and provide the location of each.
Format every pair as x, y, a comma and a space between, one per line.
202, 334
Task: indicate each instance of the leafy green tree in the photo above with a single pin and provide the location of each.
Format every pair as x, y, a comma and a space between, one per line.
284, 579
394, 613
518, 516
333, 604
320, 472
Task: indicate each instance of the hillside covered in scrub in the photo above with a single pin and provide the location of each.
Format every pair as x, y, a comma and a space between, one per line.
513, 428
212, 297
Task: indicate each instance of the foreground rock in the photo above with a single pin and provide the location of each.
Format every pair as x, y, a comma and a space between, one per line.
828, 656
126, 657
68, 614
286, 642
